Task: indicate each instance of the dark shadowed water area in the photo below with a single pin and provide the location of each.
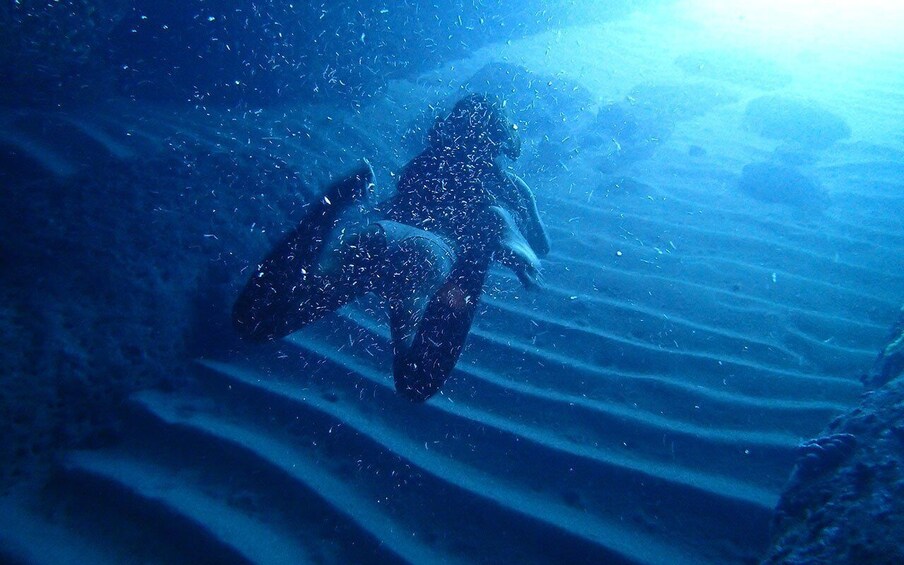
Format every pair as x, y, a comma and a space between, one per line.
722, 185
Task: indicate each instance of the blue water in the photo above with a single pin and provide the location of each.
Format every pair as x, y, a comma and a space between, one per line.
722, 188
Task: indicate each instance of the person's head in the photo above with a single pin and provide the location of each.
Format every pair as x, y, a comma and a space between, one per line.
477, 126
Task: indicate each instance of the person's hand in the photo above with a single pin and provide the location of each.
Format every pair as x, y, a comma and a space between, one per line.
515, 252
530, 276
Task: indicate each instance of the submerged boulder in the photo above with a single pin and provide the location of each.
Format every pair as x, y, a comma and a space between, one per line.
632, 129
803, 122
737, 67
628, 133
56, 52
680, 101
780, 184
889, 363
255, 53
844, 502
793, 155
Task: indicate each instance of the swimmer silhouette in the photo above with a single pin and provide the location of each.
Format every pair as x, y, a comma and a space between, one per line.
425, 251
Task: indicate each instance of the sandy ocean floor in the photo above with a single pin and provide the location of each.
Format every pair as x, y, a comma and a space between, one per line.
644, 407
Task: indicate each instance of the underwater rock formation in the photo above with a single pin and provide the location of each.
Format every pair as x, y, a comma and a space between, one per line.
738, 67
241, 51
793, 155
674, 102
845, 500
798, 121
636, 126
890, 361
633, 133
779, 184
75, 340
52, 51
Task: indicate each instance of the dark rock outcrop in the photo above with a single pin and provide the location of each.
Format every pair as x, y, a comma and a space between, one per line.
674, 102
636, 126
850, 507
632, 133
890, 361
243, 52
803, 122
57, 51
737, 67
779, 184
107, 278
844, 502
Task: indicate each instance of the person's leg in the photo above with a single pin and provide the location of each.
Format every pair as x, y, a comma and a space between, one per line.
417, 263
289, 290
431, 294
421, 366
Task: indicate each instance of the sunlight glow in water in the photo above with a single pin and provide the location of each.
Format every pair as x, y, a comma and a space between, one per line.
805, 25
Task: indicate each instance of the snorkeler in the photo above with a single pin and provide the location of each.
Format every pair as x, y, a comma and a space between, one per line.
426, 251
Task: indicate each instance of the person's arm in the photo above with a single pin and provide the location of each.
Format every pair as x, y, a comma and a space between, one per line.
521, 200
513, 250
